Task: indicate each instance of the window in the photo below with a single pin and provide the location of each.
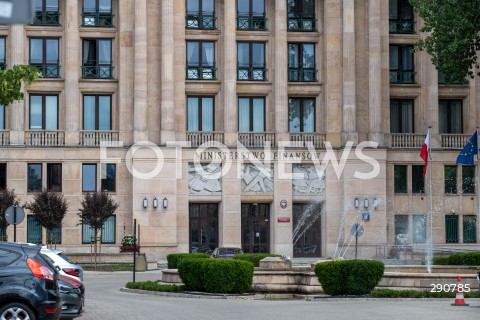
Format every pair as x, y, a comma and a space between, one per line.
2, 121
419, 225
97, 13
200, 60
400, 178
251, 114
34, 177
44, 56
469, 229
468, 179
54, 177
301, 114
401, 64
97, 112
97, 59
451, 116
46, 13
107, 232
200, 114
3, 176
401, 17
43, 112
34, 230
401, 229
251, 61
418, 180
401, 116
89, 177
54, 236
301, 62
301, 15
200, 14
451, 228
3, 62
251, 15
109, 171
450, 179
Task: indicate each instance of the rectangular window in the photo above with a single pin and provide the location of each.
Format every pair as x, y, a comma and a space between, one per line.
43, 112
97, 59
301, 15
3, 176
200, 14
400, 178
2, 123
109, 173
200, 60
3, 61
418, 180
469, 229
34, 179
34, 230
401, 64
44, 55
89, 177
46, 13
450, 179
401, 116
468, 179
97, 112
301, 114
251, 15
451, 228
451, 117
107, 234
54, 236
54, 177
401, 229
251, 114
301, 62
419, 228
251, 61
200, 114
401, 17
97, 13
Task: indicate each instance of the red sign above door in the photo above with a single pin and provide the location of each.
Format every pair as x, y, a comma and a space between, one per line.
283, 219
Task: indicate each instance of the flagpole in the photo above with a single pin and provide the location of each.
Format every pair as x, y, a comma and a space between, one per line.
430, 189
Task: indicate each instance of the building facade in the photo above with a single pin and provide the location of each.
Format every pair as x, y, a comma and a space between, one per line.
277, 126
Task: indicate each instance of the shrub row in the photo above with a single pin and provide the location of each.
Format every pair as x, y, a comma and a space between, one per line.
459, 259
254, 257
153, 286
349, 277
390, 293
174, 258
216, 276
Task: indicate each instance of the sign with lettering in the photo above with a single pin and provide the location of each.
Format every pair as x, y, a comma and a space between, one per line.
285, 219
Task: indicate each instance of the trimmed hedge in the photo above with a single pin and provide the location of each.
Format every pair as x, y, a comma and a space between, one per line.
390, 293
254, 257
216, 275
174, 258
349, 277
459, 259
153, 286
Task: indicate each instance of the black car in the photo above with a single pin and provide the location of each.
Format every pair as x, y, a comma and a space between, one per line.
28, 284
225, 252
72, 293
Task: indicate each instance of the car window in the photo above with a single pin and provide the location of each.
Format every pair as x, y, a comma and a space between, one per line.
7, 257
46, 257
65, 258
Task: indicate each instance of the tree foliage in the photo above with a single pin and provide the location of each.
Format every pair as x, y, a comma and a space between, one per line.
49, 208
11, 82
96, 208
7, 199
453, 38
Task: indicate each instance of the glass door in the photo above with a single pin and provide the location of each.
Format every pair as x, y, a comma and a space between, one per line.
203, 224
256, 227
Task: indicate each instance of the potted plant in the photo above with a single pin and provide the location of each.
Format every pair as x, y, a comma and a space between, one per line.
129, 244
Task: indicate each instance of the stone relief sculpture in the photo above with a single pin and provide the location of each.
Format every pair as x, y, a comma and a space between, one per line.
310, 183
256, 180
201, 182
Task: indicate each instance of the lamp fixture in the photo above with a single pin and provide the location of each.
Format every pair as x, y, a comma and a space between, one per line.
365, 203
155, 203
376, 202
356, 203
452, 212
145, 203
165, 203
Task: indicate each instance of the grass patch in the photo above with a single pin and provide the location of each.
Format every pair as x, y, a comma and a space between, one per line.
109, 267
390, 293
154, 286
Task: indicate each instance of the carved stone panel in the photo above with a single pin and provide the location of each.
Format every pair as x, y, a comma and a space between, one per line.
205, 180
310, 183
257, 179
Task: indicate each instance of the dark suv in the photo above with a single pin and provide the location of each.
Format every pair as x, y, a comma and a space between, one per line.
28, 284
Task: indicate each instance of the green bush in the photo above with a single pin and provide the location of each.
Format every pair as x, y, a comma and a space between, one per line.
459, 259
440, 261
349, 277
191, 272
153, 286
174, 258
227, 276
253, 257
390, 293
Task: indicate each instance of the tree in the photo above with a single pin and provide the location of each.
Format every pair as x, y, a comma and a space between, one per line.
7, 198
454, 39
11, 82
49, 209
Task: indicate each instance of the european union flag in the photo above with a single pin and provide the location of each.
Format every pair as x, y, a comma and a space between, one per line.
470, 149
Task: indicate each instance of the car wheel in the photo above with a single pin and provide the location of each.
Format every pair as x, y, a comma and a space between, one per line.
15, 311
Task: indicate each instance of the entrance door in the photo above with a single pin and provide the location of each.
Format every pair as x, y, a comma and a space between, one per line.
256, 227
203, 224
306, 230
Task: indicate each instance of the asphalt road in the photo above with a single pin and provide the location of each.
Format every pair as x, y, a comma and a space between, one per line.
105, 301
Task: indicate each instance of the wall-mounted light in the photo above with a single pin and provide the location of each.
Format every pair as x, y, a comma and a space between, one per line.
356, 203
165, 203
155, 203
365, 203
145, 203
376, 202
452, 212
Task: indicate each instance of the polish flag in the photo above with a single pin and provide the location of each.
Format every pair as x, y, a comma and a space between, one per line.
424, 152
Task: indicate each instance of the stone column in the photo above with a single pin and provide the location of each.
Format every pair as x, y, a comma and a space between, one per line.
167, 74
333, 70
140, 73
280, 87
229, 84
17, 109
71, 74
349, 85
